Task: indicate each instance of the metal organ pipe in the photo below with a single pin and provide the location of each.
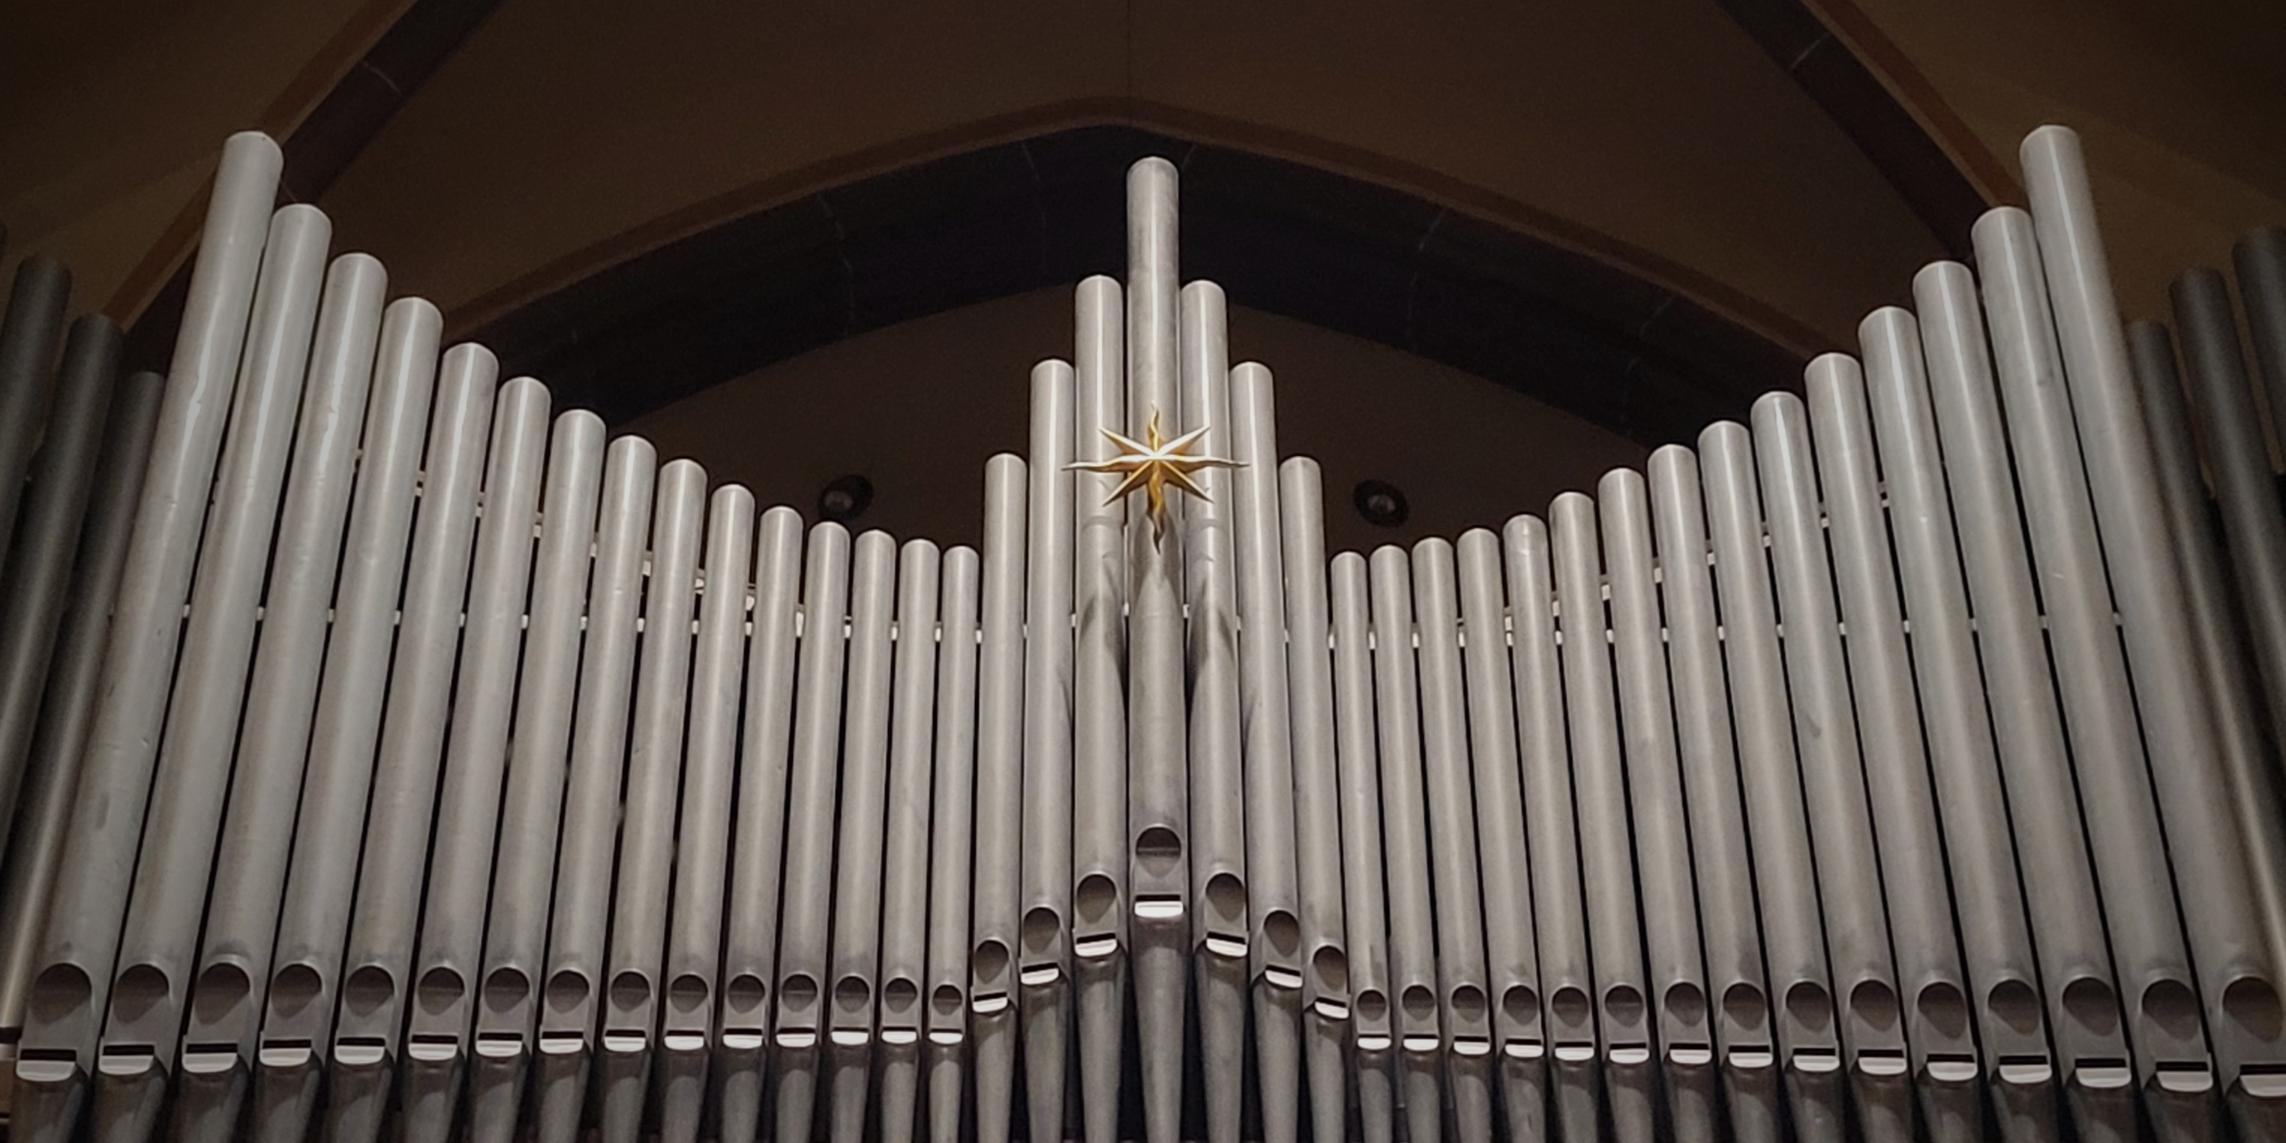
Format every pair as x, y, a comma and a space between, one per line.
372, 754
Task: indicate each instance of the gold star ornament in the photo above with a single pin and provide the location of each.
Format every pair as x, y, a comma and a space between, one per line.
1154, 464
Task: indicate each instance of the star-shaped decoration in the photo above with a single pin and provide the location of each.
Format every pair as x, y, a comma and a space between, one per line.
1152, 465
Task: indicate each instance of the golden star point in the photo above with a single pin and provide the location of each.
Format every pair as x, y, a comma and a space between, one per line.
1154, 464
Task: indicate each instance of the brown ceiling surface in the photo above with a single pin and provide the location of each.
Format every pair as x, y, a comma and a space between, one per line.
565, 136
112, 112
1652, 126
2181, 107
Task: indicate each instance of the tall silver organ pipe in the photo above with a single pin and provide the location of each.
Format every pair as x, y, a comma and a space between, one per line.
1896, 761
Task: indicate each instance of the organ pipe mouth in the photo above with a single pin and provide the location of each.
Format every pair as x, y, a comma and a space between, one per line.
2024, 1070
1881, 1062
1951, 1068
209, 1059
2100, 1073
282, 1054
1815, 1061
2188, 1077
1158, 907
126, 1060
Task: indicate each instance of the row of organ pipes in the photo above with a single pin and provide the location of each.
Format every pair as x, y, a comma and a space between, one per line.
380, 756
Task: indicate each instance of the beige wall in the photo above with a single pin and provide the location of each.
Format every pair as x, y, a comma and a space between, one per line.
918, 407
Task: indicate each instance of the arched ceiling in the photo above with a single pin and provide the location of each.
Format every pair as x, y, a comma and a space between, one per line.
2182, 108
559, 140
1732, 154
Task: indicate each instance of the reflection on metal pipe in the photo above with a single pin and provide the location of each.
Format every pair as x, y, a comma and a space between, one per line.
1326, 990
274, 735
1833, 777
143, 1025
1266, 723
29, 334
1994, 936
806, 897
1941, 1048
750, 942
905, 862
1551, 833
1777, 817
68, 703
1099, 710
2124, 837
999, 797
2076, 970
2237, 972
690, 974
79, 943
1405, 832
1599, 786
2220, 625
1743, 1036
1044, 929
1158, 820
1364, 890
1464, 999
468, 807
538, 753
578, 924
1655, 795
37, 572
951, 843
864, 778
1511, 959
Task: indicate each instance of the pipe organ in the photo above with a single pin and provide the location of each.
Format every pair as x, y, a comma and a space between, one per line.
383, 751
